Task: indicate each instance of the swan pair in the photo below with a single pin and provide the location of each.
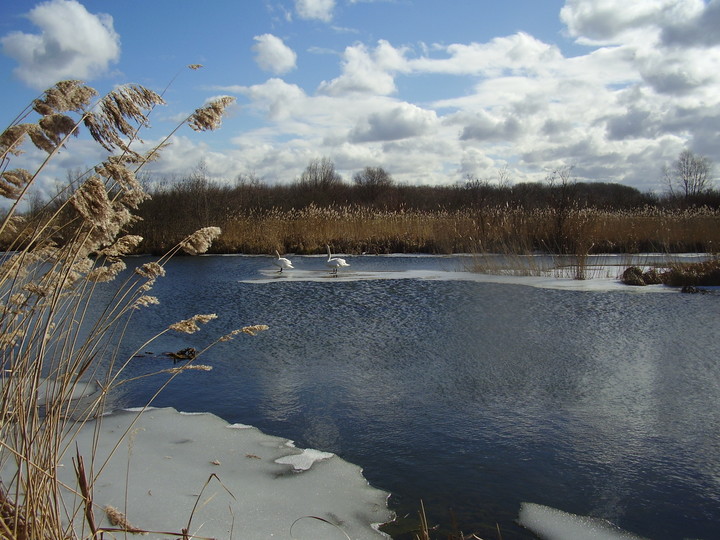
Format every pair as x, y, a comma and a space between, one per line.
332, 262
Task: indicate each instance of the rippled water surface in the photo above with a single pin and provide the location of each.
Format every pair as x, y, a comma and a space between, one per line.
470, 396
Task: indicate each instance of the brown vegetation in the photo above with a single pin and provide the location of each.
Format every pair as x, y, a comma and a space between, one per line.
53, 259
376, 216
496, 229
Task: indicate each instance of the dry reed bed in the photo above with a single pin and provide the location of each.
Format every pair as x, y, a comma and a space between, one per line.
487, 230
49, 275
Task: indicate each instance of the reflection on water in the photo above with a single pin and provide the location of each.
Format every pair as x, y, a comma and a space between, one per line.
470, 396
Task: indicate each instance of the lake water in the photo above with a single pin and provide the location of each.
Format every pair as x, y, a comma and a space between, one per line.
471, 396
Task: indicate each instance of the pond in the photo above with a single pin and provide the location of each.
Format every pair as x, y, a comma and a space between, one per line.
470, 395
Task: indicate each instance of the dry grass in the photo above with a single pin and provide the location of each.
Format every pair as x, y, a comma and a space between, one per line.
48, 279
504, 230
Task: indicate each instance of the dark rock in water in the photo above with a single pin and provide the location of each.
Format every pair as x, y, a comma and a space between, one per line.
184, 354
633, 276
652, 277
690, 289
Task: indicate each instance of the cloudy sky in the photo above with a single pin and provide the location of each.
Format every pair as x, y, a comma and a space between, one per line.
434, 92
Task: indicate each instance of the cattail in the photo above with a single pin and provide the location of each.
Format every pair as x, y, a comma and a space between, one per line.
64, 96
250, 330
209, 117
83, 265
118, 519
40, 139
150, 270
116, 110
145, 301
253, 330
13, 182
132, 198
104, 274
13, 137
123, 246
117, 171
190, 326
10, 339
91, 201
200, 241
57, 126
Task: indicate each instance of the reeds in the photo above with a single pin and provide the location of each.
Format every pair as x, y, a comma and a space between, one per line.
490, 230
50, 348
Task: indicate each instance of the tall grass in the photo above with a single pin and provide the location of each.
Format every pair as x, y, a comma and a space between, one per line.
51, 349
500, 229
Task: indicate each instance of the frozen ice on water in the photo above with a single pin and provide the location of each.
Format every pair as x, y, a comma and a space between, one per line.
552, 524
304, 460
167, 460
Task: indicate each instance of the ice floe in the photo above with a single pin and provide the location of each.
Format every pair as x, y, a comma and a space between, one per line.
552, 524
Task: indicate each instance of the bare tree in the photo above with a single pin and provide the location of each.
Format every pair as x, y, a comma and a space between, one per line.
563, 198
320, 173
688, 175
373, 177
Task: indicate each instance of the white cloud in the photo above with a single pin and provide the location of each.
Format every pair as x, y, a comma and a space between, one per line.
276, 97
400, 122
315, 9
72, 44
515, 53
617, 21
483, 127
273, 55
367, 71
700, 28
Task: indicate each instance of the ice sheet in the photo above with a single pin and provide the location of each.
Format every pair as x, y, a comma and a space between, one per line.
551, 282
159, 469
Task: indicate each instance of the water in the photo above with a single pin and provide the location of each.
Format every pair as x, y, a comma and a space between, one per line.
472, 397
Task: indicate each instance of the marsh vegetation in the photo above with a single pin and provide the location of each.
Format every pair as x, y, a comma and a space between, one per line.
53, 265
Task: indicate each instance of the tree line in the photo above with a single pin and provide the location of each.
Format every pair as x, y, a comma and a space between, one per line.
201, 200
179, 206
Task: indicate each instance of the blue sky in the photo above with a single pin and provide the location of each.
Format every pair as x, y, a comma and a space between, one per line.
434, 92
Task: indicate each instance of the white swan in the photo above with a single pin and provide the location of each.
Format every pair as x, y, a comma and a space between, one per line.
335, 262
282, 262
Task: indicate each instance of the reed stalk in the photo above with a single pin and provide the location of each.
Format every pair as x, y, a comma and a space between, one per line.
50, 274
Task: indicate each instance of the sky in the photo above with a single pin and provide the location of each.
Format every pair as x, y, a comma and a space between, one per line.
433, 92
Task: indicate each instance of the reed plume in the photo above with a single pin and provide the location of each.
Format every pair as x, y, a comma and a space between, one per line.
209, 117
49, 277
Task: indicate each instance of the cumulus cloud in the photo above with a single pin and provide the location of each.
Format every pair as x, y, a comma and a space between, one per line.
700, 28
72, 44
483, 127
315, 9
400, 122
640, 92
515, 53
367, 71
617, 21
280, 100
271, 54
